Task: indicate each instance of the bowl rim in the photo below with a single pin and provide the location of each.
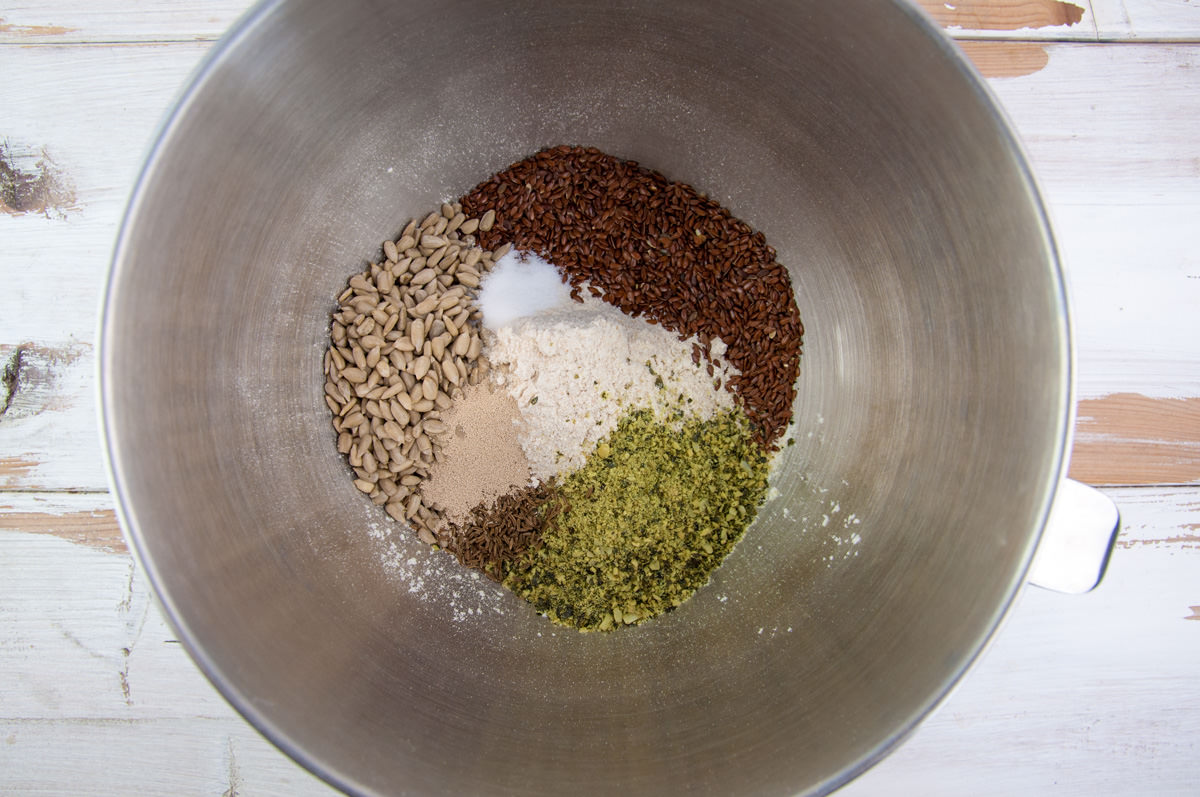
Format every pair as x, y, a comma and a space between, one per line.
241, 30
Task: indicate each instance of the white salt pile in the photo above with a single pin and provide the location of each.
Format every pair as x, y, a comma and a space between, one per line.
576, 368
519, 285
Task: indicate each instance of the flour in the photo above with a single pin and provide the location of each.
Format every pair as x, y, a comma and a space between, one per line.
432, 576
576, 369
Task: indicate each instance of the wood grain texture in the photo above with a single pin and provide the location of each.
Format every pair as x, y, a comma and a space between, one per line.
1147, 20
65, 21
53, 265
83, 518
1128, 438
1006, 59
1050, 17
1111, 123
95, 529
30, 182
1078, 695
48, 433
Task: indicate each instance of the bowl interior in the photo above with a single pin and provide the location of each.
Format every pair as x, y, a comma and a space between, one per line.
929, 423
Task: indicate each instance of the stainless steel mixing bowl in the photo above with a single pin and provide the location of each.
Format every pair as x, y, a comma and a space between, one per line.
931, 419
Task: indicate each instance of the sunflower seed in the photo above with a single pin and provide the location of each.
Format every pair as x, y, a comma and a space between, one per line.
423, 277
437, 347
427, 305
354, 375
393, 430
417, 333
414, 503
400, 343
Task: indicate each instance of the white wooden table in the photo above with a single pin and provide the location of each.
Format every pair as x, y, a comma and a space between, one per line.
1090, 695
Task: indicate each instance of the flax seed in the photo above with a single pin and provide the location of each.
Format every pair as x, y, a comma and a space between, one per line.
597, 235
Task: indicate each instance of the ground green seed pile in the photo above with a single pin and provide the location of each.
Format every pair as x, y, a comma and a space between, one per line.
656, 508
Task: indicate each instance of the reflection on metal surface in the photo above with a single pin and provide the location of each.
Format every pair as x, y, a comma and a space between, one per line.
936, 358
1077, 541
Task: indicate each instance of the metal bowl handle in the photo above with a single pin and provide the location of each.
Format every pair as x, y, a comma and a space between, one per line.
1078, 540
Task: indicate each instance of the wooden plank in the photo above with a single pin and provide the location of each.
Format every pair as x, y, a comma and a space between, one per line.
60, 256
54, 258
1079, 695
1133, 272
85, 518
1111, 123
96, 697
63, 21
1110, 129
114, 758
66, 21
70, 21
1024, 19
1006, 59
1147, 20
1134, 439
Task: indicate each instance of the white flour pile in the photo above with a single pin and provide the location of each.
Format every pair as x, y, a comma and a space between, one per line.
575, 369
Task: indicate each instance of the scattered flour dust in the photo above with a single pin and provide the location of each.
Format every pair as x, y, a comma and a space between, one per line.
436, 577
576, 368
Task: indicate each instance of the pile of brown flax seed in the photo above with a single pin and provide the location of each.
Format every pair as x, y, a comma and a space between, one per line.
658, 249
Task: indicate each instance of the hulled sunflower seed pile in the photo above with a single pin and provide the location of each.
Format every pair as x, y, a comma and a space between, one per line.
405, 342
